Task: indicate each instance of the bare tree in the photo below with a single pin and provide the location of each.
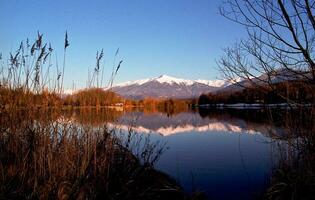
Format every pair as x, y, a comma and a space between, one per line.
280, 41
279, 45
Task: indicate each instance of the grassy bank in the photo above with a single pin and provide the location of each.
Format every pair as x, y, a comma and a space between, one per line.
44, 155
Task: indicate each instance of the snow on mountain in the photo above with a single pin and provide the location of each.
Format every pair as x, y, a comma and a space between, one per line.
166, 86
172, 80
137, 82
214, 83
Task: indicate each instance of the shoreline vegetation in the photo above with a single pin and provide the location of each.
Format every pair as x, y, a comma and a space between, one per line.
44, 156
253, 105
275, 61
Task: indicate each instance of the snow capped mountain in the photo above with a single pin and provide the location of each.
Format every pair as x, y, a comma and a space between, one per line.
172, 80
166, 86
137, 82
214, 83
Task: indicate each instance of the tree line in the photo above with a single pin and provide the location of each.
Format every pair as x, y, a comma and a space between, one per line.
284, 92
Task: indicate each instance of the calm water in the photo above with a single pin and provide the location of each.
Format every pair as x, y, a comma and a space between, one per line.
223, 154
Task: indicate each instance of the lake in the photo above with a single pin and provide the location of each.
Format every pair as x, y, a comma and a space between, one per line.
222, 153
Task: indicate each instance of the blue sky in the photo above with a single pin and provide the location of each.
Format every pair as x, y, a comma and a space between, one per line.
181, 38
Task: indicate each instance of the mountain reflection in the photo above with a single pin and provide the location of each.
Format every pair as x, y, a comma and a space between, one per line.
188, 121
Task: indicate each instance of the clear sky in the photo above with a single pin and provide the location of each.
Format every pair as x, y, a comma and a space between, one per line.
181, 38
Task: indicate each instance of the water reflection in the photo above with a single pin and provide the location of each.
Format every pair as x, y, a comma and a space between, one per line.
223, 153
213, 152
190, 122
228, 121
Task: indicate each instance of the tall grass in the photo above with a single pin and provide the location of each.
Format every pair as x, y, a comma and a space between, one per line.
294, 177
45, 155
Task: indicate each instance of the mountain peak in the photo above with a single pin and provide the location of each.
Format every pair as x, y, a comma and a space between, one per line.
171, 80
165, 86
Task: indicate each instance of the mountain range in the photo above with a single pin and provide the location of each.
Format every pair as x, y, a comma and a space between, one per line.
278, 76
166, 86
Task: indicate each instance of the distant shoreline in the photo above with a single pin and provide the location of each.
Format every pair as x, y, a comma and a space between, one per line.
253, 105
